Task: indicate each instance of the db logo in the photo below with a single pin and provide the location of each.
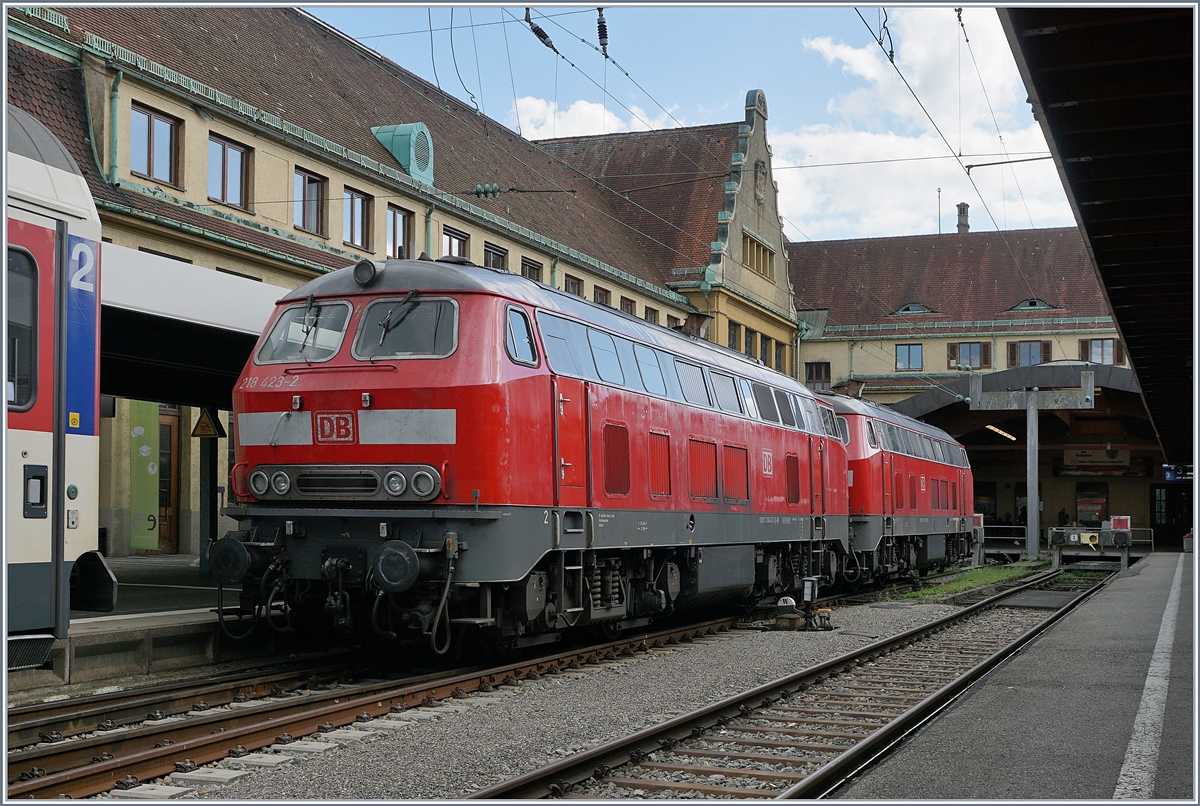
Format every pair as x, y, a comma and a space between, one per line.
335, 426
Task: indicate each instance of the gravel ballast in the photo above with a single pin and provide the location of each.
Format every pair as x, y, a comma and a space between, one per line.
544, 721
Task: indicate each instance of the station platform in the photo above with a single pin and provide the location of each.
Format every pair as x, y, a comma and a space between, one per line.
1099, 707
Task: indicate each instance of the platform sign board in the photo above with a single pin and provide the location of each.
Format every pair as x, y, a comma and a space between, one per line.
207, 426
1177, 473
143, 475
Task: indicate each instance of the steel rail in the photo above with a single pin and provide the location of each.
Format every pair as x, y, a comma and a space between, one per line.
560, 777
141, 752
73, 716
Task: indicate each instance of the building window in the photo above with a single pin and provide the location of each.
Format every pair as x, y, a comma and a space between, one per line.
673, 322
650, 315
908, 357
628, 306
751, 343
779, 356
227, 166
494, 257
757, 256
573, 285
356, 212
531, 269
601, 295
816, 376
309, 196
735, 335
1101, 351
454, 242
153, 145
399, 232
969, 355
1028, 353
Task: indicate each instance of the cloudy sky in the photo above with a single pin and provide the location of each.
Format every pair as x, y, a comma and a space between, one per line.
832, 94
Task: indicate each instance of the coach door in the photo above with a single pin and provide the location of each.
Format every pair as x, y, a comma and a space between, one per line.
570, 442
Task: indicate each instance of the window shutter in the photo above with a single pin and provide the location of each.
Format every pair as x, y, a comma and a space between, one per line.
985, 355
1085, 349
1012, 354
1046, 348
951, 355
1118, 352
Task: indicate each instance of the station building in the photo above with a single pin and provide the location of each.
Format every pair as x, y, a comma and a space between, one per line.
235, 153
906, 321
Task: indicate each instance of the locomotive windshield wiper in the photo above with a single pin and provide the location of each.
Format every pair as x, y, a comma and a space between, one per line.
387, 325
308, 326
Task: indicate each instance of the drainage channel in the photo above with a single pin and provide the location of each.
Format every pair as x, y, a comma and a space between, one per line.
802, 735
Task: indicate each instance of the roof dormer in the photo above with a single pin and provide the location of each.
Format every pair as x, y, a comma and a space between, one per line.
1032, 304
913, 307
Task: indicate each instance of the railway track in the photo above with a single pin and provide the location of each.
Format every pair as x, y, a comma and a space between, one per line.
803, 735
84, 760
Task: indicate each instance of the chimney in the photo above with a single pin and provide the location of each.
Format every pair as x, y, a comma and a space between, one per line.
963, 226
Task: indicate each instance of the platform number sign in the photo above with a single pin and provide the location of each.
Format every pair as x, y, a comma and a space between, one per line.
83, 277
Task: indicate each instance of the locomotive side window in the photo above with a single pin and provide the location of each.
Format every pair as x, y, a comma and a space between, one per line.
567, 347
410, 327
827, 420
648, 368
785, 408
670, 377
22, 321
927, 444
520, 338
691, 379
604, 353
871, 435
727, 396
844, 429
747, 396
766, 402
308, 332
629, 365
811, 416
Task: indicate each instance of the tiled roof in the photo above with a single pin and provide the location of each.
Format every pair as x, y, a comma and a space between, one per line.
972, 278
669, 184
52, 91
287, 63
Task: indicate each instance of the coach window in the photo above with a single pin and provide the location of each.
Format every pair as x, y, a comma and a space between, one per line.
308, 195
308, 332
766, 402
727, 396
520, 338
399, 232
691, 380
154, 145
416, 327
227, 169
22, 321
648, 367
604, 353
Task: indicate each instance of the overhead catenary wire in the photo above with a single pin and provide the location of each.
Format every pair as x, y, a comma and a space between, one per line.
454, 58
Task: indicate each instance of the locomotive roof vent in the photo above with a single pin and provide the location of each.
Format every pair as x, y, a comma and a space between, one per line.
456, 260
366, 272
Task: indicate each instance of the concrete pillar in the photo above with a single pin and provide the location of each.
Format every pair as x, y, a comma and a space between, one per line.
1032, 525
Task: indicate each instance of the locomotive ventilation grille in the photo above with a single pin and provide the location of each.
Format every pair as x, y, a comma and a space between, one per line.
29, 652
392, 483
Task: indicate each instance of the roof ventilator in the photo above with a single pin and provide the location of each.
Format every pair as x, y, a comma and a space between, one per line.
411, 145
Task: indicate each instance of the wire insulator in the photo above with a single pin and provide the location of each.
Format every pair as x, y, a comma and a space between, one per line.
539, 32
602, 32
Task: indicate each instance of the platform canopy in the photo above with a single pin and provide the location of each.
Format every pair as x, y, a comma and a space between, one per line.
1113, 90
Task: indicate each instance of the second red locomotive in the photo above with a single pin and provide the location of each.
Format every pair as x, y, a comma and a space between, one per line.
430, 447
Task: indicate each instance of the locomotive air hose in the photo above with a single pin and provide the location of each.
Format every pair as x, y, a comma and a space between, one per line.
221, 616
287, 627
389, 633
437, 617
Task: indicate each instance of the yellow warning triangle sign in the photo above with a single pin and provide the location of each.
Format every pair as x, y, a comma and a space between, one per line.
208, 426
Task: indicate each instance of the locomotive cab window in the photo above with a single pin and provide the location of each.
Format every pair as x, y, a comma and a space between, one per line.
408, 327
22, 320
309, 332
519, 339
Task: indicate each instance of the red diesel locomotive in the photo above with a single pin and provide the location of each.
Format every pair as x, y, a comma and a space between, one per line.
430, 447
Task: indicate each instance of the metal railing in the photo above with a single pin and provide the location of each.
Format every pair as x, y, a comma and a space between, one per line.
1133, 537
1004, 539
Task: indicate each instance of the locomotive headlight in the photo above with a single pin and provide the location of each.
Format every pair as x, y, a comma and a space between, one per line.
395, 483
258, 483
280, 483
422, 483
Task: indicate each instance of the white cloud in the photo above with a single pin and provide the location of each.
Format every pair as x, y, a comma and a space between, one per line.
541, 119
881, 120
